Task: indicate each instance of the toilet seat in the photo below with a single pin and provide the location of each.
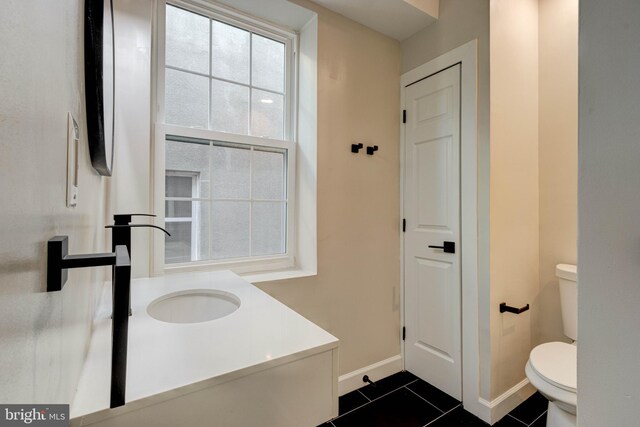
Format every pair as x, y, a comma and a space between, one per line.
556, 363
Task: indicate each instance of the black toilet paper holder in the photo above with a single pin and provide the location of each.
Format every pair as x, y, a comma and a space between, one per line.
504, 307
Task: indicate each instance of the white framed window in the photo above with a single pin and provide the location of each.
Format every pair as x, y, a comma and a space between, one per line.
225, 119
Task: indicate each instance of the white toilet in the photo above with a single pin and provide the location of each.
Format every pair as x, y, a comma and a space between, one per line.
552, 367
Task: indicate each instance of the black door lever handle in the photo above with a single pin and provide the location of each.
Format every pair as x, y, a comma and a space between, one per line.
447, 247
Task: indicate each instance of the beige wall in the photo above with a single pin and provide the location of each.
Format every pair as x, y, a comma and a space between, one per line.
533, 173
44, 335
461, 21
558, 155
356, 294
514, 186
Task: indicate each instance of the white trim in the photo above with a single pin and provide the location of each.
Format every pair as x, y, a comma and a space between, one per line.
199, 133
157, 162
467, 56
353, 380
306, 179
500, 406
237, 265
270, 276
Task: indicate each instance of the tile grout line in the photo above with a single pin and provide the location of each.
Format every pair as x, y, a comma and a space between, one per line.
540, 416
445, 413
386, 394
370, 400
518, 420
354, 409
424, 399
362, 394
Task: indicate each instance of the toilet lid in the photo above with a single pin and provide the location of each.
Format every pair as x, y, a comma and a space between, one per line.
556, 362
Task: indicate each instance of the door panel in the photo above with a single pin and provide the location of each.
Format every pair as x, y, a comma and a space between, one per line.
430, 333
432, 211
432, 192
433, 106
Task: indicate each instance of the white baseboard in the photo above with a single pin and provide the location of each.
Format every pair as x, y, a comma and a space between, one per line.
500, 406
384, 368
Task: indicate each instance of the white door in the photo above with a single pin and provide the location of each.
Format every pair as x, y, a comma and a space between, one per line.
432, 212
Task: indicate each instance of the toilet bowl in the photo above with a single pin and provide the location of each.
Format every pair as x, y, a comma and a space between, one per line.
552, 366
552, 370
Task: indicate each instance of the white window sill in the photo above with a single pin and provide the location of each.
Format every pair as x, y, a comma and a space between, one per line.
270, 276
250, 276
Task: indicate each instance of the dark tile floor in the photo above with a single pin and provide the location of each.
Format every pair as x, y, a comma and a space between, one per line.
404, 400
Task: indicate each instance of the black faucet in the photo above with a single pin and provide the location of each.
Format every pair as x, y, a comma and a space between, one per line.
121, 229
59, 261
121, 234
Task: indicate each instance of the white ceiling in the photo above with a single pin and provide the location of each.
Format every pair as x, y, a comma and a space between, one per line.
395, 18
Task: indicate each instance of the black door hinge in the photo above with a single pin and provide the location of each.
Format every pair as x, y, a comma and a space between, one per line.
404, 333
404, 116
404, 225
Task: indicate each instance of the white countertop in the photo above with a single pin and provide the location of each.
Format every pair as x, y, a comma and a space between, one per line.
166, 360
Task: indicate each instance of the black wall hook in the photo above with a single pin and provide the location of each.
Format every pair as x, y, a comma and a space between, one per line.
355, 148
371, 150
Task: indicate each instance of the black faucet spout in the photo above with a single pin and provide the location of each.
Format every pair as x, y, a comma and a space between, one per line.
122, 219
121, 229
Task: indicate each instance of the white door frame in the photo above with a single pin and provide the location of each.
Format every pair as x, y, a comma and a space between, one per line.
466, 55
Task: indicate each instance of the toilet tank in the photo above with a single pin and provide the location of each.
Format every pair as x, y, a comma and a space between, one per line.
568, 281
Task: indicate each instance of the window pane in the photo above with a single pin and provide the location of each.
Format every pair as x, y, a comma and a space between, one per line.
230, 52
267, 114
267, 234
229, 107
230, 172
186, 99
267, 175
178, 209
187, 44
230, 222
177, 247
267, 63
178, 186
189, 240
191, 158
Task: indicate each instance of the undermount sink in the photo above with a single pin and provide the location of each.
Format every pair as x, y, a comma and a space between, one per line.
193, 306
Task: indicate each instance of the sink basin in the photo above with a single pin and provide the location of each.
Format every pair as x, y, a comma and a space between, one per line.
193, 306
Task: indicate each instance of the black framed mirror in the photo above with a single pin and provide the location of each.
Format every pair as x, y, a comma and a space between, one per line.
99, 73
